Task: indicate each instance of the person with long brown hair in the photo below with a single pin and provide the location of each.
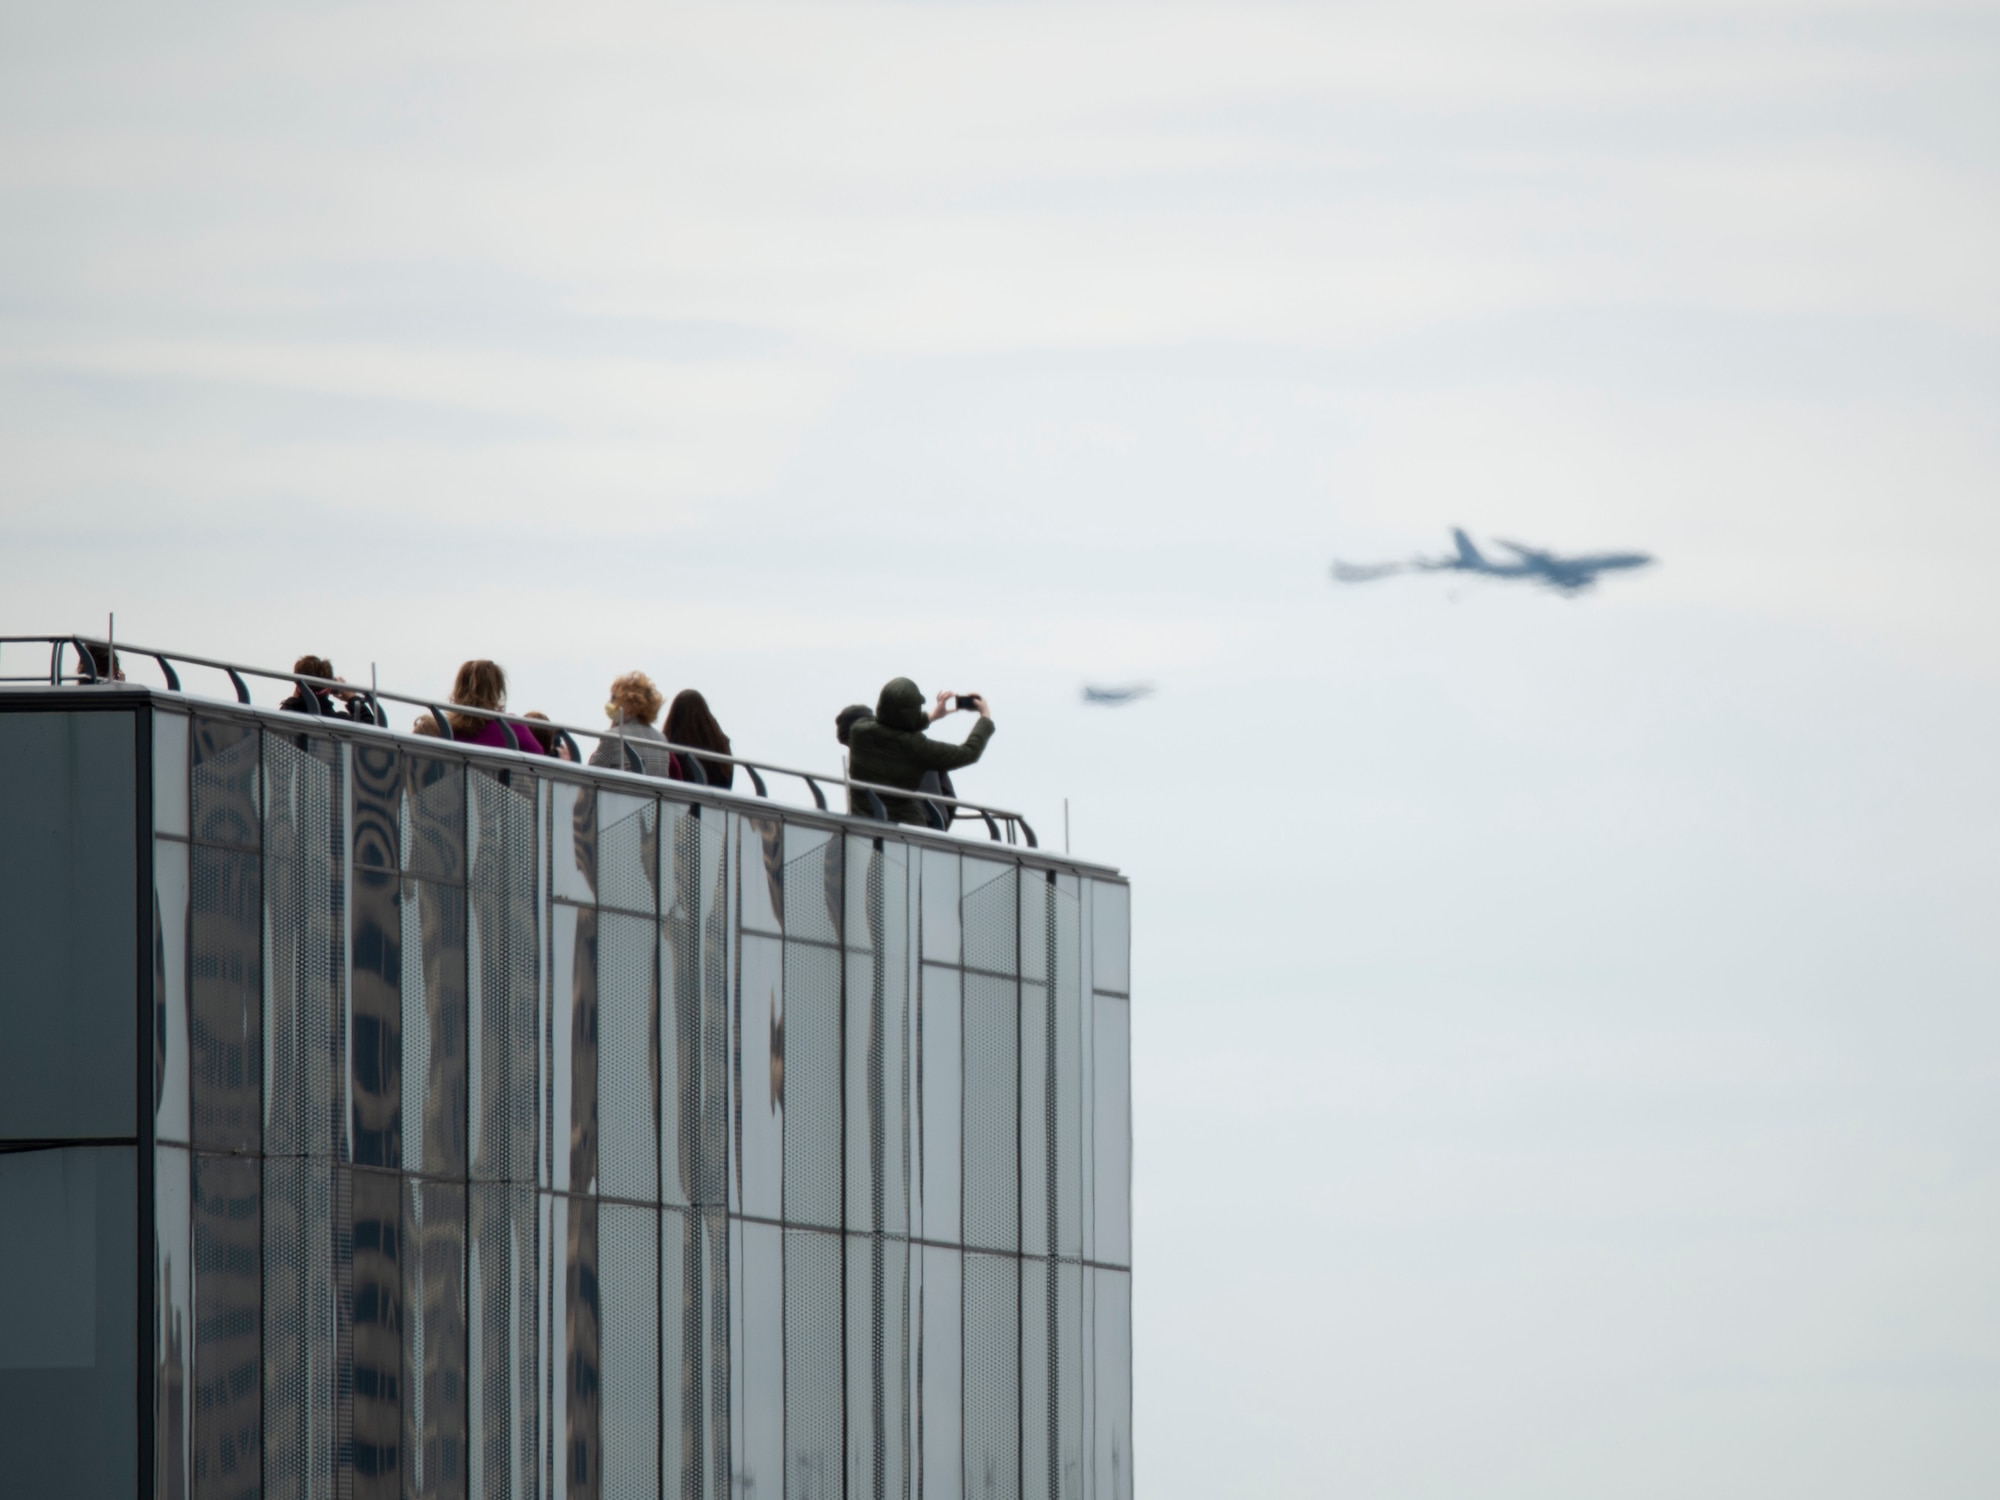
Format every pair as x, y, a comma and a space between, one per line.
483, 684
691, 724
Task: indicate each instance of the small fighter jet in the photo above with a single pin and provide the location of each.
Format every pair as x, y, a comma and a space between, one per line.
1117, 697
1566, 575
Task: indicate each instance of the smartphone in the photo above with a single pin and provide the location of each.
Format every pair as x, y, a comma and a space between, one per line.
964, 700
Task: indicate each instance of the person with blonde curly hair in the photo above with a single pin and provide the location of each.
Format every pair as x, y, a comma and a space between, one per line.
634, 744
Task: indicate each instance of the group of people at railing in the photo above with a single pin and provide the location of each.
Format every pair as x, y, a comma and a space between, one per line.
886, 746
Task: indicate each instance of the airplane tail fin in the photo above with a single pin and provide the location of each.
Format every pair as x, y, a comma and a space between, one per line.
1468, 555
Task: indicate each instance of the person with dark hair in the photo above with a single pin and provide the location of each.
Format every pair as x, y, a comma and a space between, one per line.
889, 747
690, 724
634, 703
483, 684
848, 717
551, 742
100, 663
318, 666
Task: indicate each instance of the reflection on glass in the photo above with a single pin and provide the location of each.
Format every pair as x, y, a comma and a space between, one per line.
679, 1044
228, 1300
1111, 1421
878, 1023
223, 782
940, 906
434, 817
938, 1140
628, 858
1039, 1479
992, 1121
376, 1336
434, 1338
759, 1356
878, 1293
300, 1362
572, 841
629, 1252
812, 883
718, 1367
1037, 890
1111, 1137
941, 1452
170, 990
225, 1029
760, 1126
170, 773
814, 1408
711, 1182
572, 1064
808, 1066
500, 1341
627, 1057
552, 1291
1068, 1379
583, 1336
1038, 1108
501, 978
681, 1364
304, 955
761, 863
173, 1324
375, 1025
433, 1027
992, 1376
990, 920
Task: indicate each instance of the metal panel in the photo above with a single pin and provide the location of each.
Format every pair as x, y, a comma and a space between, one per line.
812, 883
940, 1102
301, 1460
1111, 1406
434, 1340
170, 773
173, 1324
223, 782
878, 1387
1067, 1127
989, 916
628, 856
228, 1353
941, 944
225, 1026
572, 1042
171, 935
760, 1126
629, 1250
502, 952
433, 1030
992, 1113
375, 1023
814, 1406
761, 865
878, 1024
940, 1389
1038, 1115
679, 1005
433, 818
304, 897
808, 1068
992, 1377
1111, 1136
376, 1245
757, 1353
572, 841
628, 1058
501, 1342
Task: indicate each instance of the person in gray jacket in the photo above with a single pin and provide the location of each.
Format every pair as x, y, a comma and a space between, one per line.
634, 704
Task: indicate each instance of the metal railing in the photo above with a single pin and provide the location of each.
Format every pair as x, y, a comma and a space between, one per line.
98, 662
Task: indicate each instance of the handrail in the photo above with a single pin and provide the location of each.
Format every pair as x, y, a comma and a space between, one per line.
871, 793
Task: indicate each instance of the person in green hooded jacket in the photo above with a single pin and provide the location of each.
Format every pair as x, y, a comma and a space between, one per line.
890, 747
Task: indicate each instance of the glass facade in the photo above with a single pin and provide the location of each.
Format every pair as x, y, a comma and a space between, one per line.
526, 1132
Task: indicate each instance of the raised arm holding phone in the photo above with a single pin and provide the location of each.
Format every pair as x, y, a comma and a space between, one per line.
891, 748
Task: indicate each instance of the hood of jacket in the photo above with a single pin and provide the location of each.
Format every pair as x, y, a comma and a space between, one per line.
901, 706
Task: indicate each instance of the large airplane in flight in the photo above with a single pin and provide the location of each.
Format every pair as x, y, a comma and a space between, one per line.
1566, 575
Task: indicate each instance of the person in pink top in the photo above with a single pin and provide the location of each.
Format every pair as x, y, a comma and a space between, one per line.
483, 684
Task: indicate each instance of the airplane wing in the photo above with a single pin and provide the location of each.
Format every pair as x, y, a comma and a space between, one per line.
1526, 554
1113, 697
1346, 572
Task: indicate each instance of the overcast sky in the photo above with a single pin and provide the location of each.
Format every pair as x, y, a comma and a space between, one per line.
1566, 1050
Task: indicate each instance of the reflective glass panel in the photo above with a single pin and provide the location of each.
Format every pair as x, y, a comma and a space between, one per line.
876, 886
759, 1358
501, 979
712, 1156
682, 1367
629, 1256
878, 1025
812, 883
940, 1413
878, 1299
501, 1340
581, 1385
434, 1337
760, 1126
305, 957
223, 782
70, 1332
628, 856
717, 1400
940, 1102
940, 906
1111, 1139
761, 857
552, 1289
990, 919
572, 841
376, 1334
300, 1360
433, 1061
992, 1121
572, 1065
173, 1320
628, 1057
376, 774
434, 817
170, 990
1037, 934
375, 1019
1111, 1418
815, 1410
992, 1376
1068, 1170
1111, 936
228, 1302
680, 1029
808, 1069
1070, 1452
170, 773
225, 1026
1038, 1112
